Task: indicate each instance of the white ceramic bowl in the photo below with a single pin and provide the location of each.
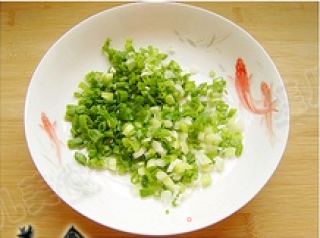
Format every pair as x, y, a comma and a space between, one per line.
201, 40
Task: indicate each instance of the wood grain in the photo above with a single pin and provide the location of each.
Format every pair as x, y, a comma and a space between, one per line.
285, 207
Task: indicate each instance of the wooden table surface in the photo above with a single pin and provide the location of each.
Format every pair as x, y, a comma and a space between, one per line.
286, 207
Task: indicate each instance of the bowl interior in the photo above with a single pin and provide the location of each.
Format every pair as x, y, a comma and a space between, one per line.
201, 40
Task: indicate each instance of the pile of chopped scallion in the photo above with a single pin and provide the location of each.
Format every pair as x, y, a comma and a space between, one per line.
145, 116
